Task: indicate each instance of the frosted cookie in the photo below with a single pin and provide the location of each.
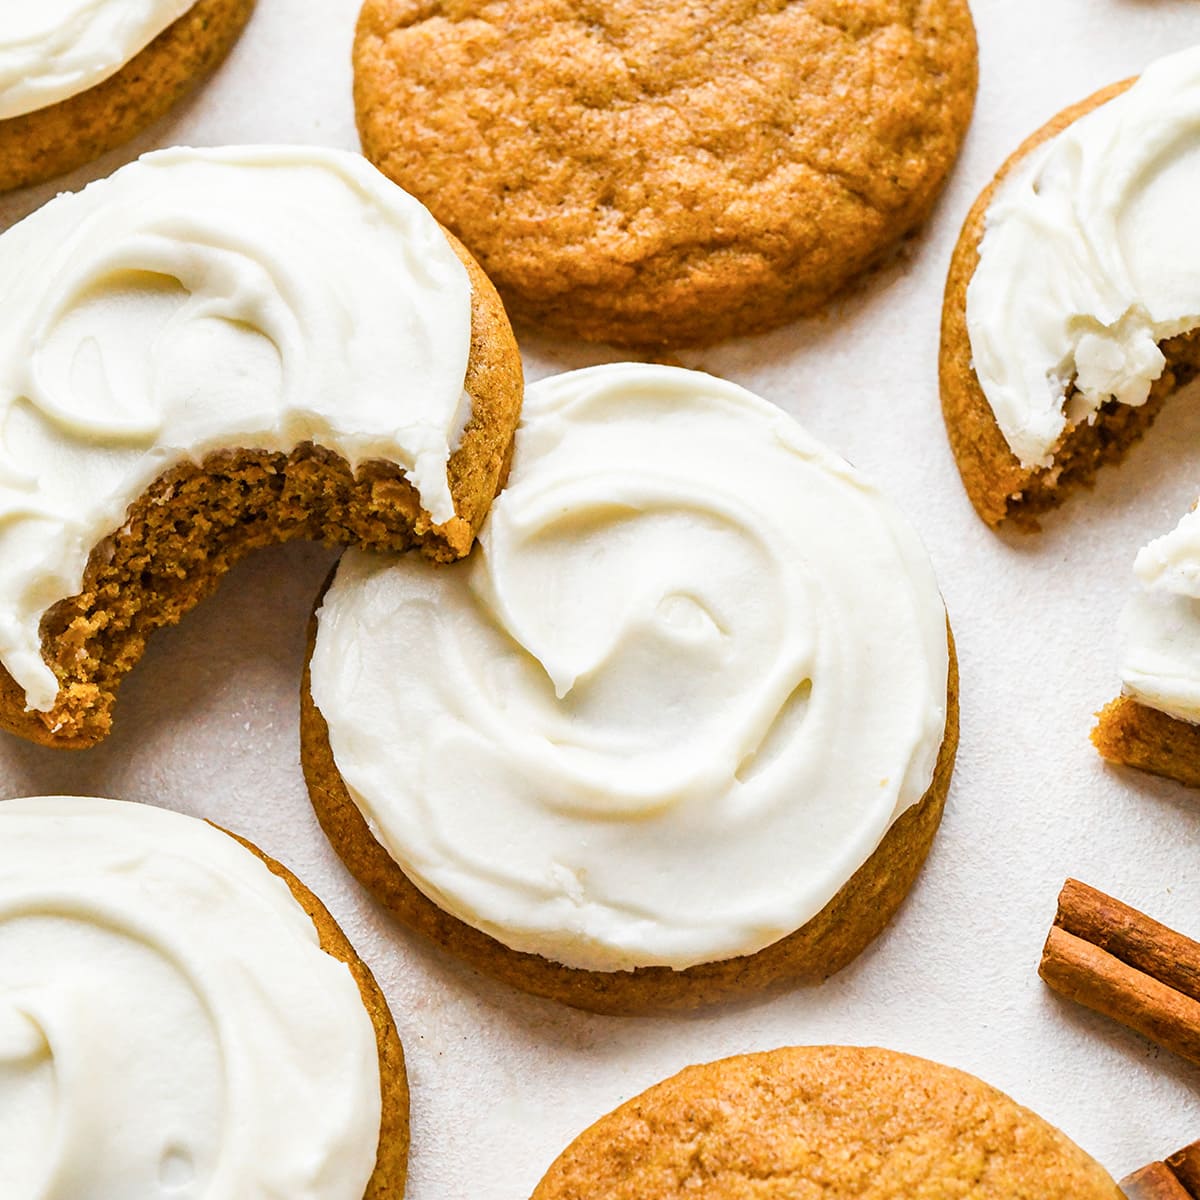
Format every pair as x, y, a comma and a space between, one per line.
645, 173
1072, 303
210, 351
179, 1015
835, 1122
79, 77
682, 726
1155, 723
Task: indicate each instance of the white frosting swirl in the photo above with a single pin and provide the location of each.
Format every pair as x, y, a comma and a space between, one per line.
255, 297
51, 50
169, 1027
1160, 627
1090, 258
692, 673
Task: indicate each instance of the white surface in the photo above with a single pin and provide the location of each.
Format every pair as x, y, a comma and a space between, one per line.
501, 1082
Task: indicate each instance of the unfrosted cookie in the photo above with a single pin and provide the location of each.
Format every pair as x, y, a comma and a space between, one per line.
229, 348
1070, 308
182, 1016
661, 740
824, 1123
648, 173
79, 77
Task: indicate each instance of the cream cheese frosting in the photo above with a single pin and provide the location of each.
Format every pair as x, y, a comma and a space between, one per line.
197, 300
51, 50
1089, 259
1160, 627
692, 673
169, 1027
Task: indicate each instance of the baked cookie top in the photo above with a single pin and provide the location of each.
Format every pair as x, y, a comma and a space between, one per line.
826, 1123
51, 50
694, 670
659, 172
169, 1024
198, 300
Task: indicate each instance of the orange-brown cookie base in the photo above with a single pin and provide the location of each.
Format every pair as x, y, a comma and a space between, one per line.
648, 173
823, 1123
54, 140
998, 486
197, 520
832, 939
1134, 735
391, 1161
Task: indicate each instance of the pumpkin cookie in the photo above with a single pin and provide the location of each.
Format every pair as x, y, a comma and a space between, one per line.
676, 745
173, 1010
78, 79
651, 173
828, 1122
1067, 318
231, 348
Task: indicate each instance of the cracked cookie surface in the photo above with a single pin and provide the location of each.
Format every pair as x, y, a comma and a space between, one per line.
648, 173
824, 1123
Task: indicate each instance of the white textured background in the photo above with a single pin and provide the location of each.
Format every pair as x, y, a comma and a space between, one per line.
501, 1082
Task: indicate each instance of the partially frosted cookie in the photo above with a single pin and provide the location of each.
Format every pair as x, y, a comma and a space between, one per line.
1073, 299
681, 727
79, 77
1155, 723
210, 351
179, 1016
834, 1122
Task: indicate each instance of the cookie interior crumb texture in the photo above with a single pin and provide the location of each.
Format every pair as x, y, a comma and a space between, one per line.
826, 1123
52, 141
1135, 735
198, 520
654, 173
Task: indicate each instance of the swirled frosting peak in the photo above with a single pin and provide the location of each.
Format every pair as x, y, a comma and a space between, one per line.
692, 673
198, 300
1089, 260
169, 1027
51, 50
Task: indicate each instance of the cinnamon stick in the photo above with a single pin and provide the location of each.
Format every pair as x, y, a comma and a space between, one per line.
1155, 1182
1178, 1178
1185, 1164
1131, 936
1117, 961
